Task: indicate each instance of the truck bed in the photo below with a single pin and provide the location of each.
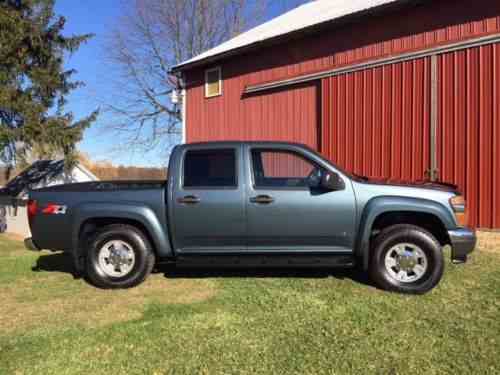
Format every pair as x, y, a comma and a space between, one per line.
55, 231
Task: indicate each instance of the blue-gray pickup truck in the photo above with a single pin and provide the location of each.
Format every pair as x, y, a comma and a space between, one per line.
253, 204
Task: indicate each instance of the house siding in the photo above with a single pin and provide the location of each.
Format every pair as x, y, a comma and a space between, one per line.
16, 216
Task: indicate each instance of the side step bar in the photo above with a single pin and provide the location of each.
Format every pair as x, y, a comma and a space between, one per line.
269, 261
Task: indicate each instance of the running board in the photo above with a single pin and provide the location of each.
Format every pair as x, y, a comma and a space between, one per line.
270, 261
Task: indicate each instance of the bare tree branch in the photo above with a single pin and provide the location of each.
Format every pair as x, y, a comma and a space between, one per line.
150, 38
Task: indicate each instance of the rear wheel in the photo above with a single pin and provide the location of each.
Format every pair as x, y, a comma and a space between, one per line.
119, 256
406, 259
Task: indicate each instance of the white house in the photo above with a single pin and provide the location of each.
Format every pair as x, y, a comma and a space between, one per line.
42, 173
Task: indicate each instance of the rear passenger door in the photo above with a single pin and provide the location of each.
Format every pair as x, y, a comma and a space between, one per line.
209, 201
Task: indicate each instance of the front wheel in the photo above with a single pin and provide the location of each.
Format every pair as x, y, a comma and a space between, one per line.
119, 256
406, 259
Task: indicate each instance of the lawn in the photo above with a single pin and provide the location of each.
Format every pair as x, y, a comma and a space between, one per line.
273, 322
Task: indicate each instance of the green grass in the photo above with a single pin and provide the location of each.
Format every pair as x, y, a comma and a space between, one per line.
244, 322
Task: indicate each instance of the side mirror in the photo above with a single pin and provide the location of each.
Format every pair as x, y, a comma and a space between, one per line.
332, 181
314, 178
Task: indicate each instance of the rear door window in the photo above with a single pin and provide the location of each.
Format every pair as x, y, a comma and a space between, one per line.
210, 169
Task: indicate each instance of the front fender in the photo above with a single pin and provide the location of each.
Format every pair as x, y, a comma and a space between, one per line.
380, 205
157, 231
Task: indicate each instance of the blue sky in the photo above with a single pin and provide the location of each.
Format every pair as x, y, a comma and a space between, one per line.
99, 17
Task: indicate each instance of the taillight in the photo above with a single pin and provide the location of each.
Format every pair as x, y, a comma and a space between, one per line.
458, 205
32, 208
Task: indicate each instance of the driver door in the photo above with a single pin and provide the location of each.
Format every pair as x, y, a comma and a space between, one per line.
284, 214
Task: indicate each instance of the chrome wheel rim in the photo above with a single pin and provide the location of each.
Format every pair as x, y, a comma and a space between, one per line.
406, 262
116, 258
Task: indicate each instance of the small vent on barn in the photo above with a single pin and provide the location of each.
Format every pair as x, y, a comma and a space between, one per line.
213, 82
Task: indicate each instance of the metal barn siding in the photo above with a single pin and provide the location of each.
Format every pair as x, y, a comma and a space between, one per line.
439, 22
376, 122
468, 136
286, 115
432, 24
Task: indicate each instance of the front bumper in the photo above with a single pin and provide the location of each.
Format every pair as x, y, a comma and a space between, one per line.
463, 241
30, 245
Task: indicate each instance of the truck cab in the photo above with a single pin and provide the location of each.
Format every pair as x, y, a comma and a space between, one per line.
258, 197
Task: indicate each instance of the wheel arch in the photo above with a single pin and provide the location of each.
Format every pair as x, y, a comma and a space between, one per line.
382, 212
91, 217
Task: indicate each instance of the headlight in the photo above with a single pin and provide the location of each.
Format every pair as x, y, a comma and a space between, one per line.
458, 205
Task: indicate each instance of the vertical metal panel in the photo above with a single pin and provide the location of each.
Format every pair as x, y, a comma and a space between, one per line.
471, 189
426, 120
341, 142
433, 119
496, 136
485, 135
387, 114
395, 156
377, 111
386, 124
368, 141
468, 129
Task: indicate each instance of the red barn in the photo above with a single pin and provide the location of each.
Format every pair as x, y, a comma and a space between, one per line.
385, 88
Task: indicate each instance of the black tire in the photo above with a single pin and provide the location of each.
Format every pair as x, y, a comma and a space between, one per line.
136, 240
411, 234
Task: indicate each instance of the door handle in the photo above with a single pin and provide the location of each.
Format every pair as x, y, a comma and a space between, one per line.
189, 199
262, 199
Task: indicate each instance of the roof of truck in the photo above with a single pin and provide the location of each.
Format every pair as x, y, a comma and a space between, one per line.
239, 143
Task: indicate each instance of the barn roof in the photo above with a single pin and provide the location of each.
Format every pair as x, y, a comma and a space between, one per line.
303, 17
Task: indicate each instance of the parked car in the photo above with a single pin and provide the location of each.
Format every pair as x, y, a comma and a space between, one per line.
253, 204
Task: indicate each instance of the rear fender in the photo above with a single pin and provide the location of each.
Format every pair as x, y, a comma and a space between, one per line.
378, 206
157, 231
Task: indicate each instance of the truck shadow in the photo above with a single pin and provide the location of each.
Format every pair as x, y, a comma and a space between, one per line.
172, 272
62, 263
58, 262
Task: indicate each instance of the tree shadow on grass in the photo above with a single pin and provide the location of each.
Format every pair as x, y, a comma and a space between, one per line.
354, 274
58, 262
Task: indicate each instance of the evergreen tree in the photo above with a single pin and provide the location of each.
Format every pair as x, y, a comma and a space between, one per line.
34, 84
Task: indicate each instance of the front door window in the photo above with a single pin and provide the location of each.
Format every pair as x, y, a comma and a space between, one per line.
280, 169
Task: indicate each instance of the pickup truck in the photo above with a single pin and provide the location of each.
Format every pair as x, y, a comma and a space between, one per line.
253, 204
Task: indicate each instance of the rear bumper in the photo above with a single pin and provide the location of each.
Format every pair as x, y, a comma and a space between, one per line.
463, 242
30, 245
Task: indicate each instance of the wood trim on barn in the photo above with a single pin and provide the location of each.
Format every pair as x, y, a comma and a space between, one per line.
477, 42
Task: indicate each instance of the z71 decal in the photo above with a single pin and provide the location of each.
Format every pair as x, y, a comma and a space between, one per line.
54, 209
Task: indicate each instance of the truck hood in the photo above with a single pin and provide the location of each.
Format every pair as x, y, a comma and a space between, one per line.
429, 185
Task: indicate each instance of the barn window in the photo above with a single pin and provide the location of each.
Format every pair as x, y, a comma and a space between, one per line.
213, 82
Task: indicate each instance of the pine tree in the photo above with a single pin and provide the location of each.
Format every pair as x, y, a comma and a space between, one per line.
34, 84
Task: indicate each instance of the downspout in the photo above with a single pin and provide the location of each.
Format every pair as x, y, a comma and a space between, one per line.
183, 114
183, 98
